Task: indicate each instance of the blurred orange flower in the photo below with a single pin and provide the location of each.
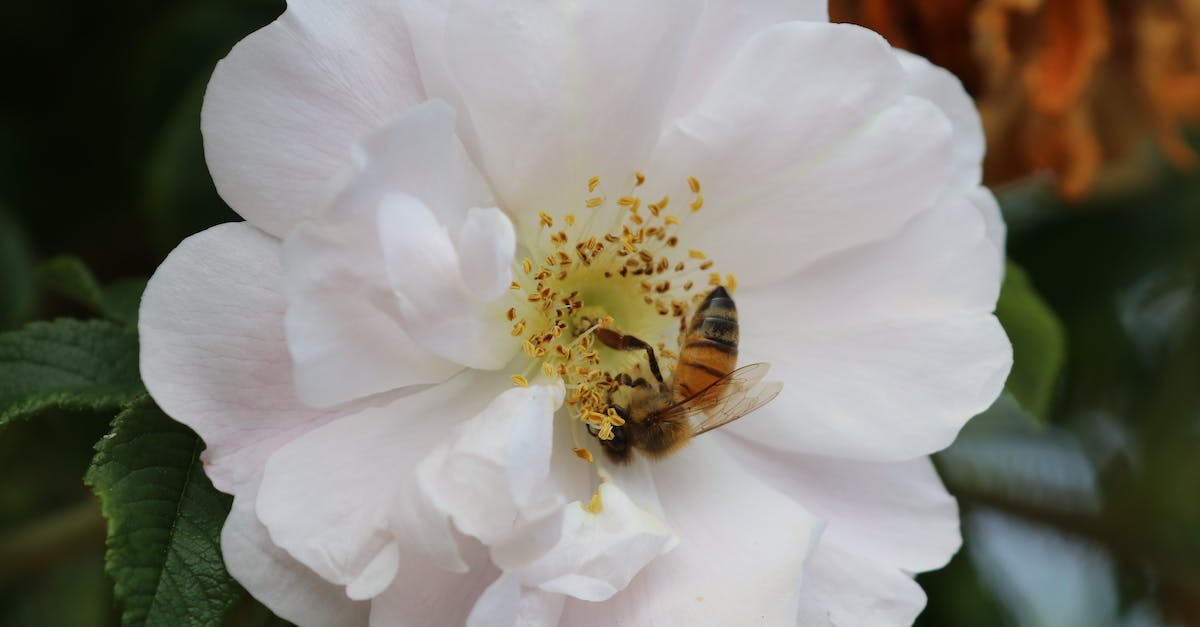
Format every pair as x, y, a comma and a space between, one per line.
1067, 86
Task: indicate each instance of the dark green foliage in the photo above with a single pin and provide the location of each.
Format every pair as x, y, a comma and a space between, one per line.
164, 521
1037, 339
67, 365
70, 278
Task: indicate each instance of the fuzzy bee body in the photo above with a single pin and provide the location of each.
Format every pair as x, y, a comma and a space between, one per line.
709, 347
662, 416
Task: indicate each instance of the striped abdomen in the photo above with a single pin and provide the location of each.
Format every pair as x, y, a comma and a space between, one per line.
708, 350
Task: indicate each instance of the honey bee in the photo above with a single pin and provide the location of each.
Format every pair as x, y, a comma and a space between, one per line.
704, 392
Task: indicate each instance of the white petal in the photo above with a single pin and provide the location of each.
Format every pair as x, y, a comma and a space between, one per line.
436, 305
806, 145
997, 231
724, 28
286, 586
593, 555
740, 557
506, 603
418, 155
344, 329
423, 595
487, 244
942, 88
494, 467
283, 109
213, 352
843, 589
898, 514
329, 497
558, 92
886, 350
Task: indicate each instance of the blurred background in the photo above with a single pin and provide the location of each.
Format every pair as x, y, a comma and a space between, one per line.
1080, 488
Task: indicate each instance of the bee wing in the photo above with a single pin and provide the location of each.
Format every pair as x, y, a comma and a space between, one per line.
728, 398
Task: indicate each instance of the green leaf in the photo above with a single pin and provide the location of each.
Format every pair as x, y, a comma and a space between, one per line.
1038, 341
164, 522
69, 277
67, 364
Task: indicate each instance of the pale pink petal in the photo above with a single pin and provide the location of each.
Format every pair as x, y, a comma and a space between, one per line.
805, 145
844, 589
487, 244
724, 28
437, 307
554, 93
286, 586
283, 109
423, 595
329, 497
345, 332
493, 469
213, 352
506, 603
345, 328
589, 555
885, 351
742, 545
852, 497
943, 89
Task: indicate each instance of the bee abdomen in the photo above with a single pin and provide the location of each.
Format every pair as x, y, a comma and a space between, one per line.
709, 349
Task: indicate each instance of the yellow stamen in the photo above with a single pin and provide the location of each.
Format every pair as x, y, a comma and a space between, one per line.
584, 454
697, 203
694, 184
521, 381
545, 219
594, 506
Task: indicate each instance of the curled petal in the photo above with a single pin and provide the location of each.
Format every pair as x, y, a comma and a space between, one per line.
284, 108
437, 306
943, 89
329, 497
554, 93
487, 244
588, 551
741, 545
506, 603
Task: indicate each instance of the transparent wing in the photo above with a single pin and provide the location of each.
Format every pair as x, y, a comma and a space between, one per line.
727, 399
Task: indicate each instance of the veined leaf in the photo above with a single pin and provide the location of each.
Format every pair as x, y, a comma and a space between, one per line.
67, 364
164, 522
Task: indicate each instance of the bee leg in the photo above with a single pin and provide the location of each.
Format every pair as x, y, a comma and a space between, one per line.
625, 379
622, 342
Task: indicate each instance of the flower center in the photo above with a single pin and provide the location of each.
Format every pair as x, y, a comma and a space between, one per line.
618, 264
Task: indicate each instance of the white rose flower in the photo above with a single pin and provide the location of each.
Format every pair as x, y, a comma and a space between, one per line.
444, 197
